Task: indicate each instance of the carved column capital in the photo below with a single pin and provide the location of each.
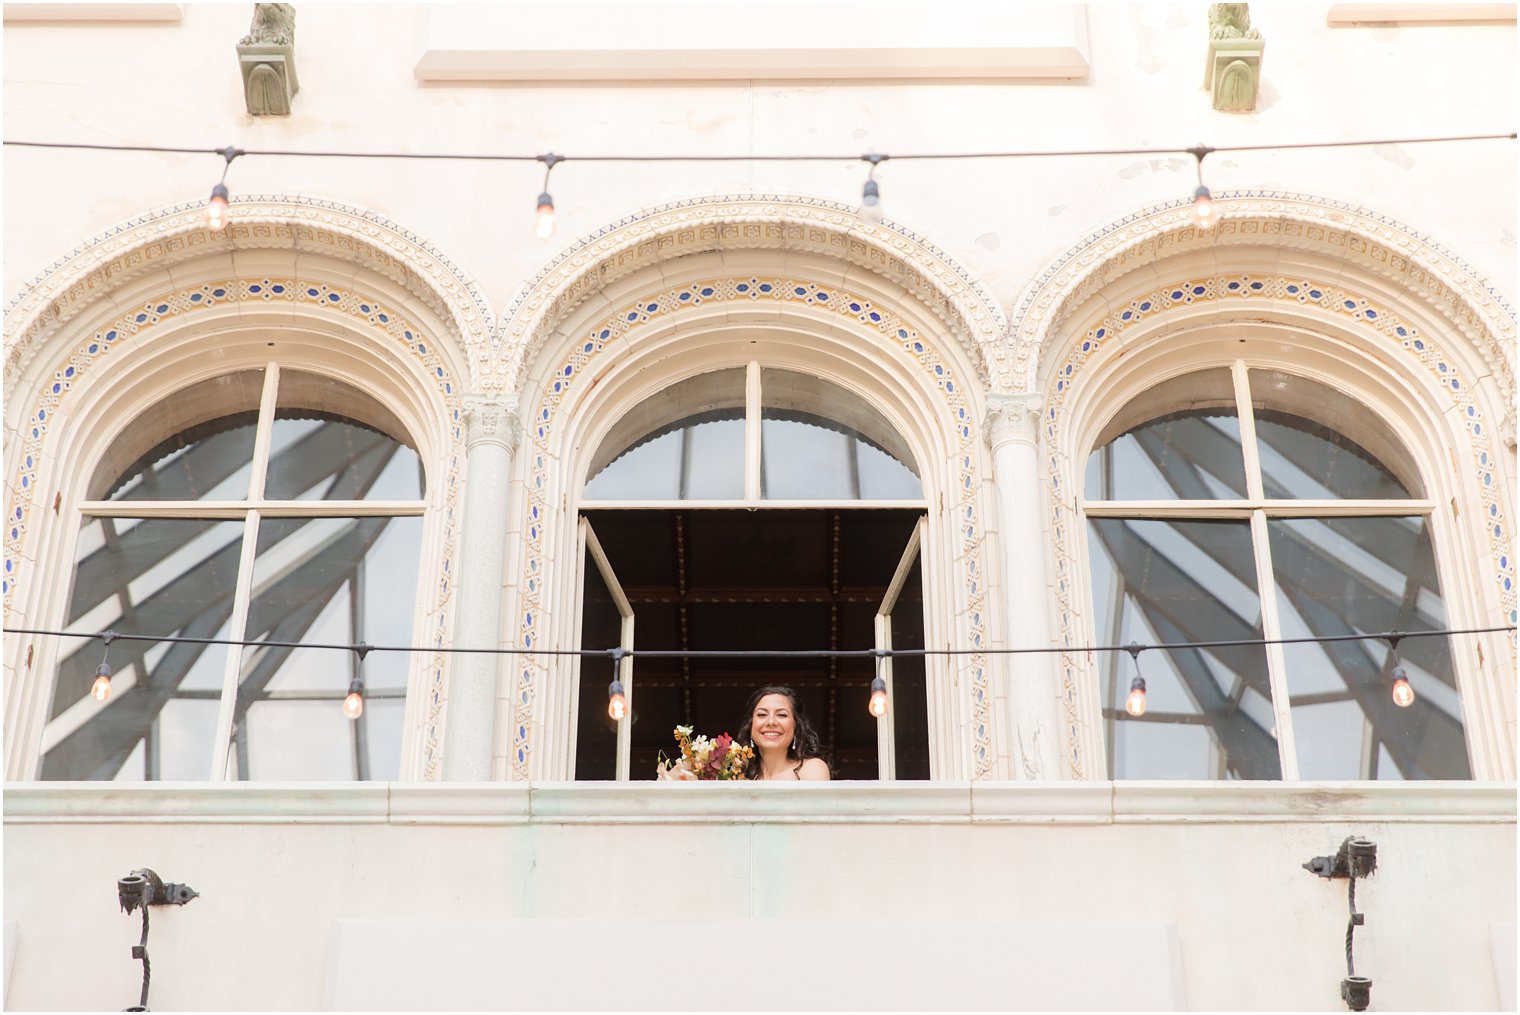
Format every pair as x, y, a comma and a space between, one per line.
492, 419
1013, 419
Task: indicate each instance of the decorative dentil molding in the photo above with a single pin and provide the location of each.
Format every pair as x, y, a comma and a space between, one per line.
164, 238
759, 222
492, 419
1013, 418
1351, 235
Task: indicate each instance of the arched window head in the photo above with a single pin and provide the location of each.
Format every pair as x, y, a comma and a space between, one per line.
1243, 503
753, 434
268, 506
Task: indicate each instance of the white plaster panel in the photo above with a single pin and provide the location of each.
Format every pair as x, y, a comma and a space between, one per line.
643, 965
728, 40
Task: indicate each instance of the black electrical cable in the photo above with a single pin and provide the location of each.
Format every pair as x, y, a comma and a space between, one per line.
615, 653
912, 156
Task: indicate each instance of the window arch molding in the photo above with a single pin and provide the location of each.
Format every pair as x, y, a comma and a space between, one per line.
204, 325
724, 320
1403, 389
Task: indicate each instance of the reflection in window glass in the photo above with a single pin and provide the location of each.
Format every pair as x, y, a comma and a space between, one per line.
316, 579
684, 443
1189, 450
1209, 714
329, 581
1340, 576
197, 445
1316, 443
158, 576
820, 441
696, 459
338, 459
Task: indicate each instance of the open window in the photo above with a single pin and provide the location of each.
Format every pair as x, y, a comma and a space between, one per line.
760, 510
1242, 503
275, 506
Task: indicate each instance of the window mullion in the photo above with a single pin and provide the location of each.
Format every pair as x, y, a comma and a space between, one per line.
236, 629
752, 431
1271, 629
1255, 491
263, 436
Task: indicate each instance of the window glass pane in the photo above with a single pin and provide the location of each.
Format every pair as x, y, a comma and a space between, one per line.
331, 581
820, 441
685, 443
195, 445
1178, 441
1338, 576
1317, 443
144, 576
331, 441
1208, 711
595, 732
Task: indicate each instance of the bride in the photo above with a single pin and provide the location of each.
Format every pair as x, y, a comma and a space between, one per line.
786, 747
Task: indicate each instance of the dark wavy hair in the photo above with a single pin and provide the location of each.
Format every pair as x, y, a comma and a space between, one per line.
805, 743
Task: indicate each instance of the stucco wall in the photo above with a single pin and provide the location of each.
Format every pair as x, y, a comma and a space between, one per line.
177, 83
1132, 894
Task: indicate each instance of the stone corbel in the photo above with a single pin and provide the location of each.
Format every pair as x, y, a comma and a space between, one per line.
267, 56
1233, 73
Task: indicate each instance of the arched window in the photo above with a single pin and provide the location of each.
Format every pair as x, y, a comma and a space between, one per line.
1240, 503
266, 505
752, 508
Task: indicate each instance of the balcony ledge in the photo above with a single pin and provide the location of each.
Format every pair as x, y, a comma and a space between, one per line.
944, 803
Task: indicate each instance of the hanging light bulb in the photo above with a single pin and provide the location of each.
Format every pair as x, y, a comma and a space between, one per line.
617, 702
878, 705
101, 690
216, 209
353, 705
1403, 694
217, 212
870, 194
1204, 213
544, 214
545, 226
1135, 703
1203, 208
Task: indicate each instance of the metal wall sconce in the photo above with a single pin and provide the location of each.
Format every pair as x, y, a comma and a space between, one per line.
1357, 858
139, 890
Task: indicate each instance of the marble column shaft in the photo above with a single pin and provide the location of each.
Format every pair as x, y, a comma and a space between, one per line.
492, 432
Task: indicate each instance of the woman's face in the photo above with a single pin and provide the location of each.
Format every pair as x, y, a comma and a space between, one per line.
773, 724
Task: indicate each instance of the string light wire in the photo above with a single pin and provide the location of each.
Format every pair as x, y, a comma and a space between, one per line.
752, 157
866, 653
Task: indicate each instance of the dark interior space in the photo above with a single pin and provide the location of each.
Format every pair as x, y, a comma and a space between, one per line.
747, 579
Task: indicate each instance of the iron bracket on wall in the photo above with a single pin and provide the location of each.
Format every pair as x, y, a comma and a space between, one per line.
1356, 858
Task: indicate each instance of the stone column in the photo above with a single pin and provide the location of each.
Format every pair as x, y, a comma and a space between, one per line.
492, 432
1013, 434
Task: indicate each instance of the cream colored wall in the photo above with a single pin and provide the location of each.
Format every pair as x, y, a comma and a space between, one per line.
1081, 869
177, 83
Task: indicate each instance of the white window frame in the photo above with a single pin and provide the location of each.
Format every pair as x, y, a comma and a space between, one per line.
1257, 509
250, 512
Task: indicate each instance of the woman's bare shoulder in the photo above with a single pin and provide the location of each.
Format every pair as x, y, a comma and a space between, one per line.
814, 768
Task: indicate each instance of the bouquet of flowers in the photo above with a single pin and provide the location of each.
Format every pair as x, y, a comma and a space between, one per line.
701, 758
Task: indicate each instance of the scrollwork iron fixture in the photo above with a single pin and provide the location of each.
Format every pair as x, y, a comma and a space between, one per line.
1357, 858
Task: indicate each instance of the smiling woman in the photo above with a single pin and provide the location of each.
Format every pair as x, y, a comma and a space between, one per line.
786, 746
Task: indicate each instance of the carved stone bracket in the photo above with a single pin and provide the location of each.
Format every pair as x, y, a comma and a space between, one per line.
492, 419
1233, 73
267, 57
1013, 418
